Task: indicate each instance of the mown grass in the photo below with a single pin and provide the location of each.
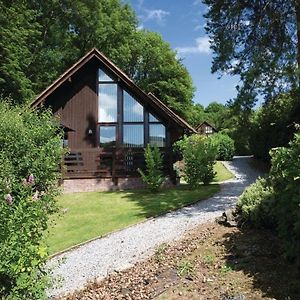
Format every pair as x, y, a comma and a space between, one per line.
88, 215
222, 173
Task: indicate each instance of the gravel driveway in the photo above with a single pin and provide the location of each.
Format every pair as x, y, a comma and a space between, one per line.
122, 249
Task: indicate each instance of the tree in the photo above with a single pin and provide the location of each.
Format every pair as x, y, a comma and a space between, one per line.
41, 39
217, 114
19, 33
154, 66
258, 40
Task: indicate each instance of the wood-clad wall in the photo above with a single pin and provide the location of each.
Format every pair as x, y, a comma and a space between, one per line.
77, 106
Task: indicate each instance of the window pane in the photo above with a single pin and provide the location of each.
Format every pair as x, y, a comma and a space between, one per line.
133, 110
108, 99
152, 118
102, 76
157, 135
107, 136
133, 135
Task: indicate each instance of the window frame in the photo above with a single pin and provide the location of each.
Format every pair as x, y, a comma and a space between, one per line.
119, 124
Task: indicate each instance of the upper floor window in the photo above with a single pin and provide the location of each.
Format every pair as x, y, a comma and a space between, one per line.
153, 119
208, 129
103, 76
133, 110
108, 102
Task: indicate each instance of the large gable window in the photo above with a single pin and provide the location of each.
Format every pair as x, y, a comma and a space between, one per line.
107, 110
133, 122
108, 102
123, 120
133, 110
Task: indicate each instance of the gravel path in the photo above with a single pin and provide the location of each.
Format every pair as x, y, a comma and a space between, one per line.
122, 249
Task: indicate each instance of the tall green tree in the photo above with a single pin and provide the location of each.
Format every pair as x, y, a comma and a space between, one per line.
44, 38
19, 32
258, 40
154, 66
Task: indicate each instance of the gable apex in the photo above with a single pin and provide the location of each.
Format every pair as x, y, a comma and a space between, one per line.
129, 84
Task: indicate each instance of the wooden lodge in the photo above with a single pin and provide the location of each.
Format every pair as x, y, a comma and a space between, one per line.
206, 129
107, 121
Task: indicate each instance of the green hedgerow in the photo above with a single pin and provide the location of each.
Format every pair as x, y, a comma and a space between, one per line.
30, 155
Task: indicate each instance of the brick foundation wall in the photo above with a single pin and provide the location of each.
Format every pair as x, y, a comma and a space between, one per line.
105, 184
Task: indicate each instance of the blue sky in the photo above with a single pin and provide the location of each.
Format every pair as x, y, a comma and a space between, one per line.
181, 24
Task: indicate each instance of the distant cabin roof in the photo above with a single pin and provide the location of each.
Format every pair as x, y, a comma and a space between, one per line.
150, 99
207, 124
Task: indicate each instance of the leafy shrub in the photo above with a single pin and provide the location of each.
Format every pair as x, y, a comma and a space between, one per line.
285, 177
225, 146
30, 154
199, 154
256, 204
275, 201
154, 164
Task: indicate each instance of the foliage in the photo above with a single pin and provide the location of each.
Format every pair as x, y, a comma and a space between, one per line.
199, 154
217, 114
256, 204
271, 125
225, 146
41, 39
276, 200
154, 66
185, 268
285, 178
30, 154
256, 40
153, 176
19, 33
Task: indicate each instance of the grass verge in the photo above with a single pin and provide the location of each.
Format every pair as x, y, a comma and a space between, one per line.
88, 215
222, 172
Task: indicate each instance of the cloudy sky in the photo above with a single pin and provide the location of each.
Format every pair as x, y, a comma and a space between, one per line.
181, 24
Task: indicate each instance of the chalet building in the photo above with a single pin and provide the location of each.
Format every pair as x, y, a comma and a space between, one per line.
108, 120
206, 129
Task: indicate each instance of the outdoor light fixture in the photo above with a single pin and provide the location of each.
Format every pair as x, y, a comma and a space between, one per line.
90, 131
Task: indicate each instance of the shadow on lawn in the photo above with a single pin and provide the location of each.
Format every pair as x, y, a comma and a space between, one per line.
259, 254
165, 200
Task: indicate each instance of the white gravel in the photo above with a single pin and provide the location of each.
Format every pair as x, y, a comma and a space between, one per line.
122, 249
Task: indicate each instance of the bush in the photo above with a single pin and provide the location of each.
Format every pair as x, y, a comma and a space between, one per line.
275, 201
199, 154
256, 204
285, 176
225, 146
154, 164
30, 154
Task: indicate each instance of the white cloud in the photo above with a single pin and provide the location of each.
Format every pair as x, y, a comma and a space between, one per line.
197, 2
140, 27
198, 27
158, 15
202, 47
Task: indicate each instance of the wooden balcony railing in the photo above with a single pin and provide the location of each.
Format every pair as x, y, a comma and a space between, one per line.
109, 163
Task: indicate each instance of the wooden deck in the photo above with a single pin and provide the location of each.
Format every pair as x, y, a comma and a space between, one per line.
110, 163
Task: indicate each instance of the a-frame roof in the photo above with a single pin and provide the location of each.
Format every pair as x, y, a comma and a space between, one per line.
150, 99
206, 123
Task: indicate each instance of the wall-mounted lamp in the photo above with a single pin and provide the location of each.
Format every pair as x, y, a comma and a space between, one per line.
90, 131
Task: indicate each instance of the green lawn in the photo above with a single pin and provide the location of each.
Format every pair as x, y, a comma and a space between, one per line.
88, 215
222, 173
